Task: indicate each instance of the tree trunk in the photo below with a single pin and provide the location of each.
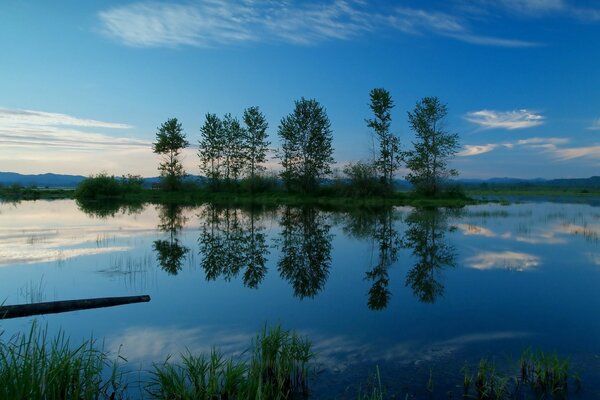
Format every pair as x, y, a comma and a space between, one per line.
53, 307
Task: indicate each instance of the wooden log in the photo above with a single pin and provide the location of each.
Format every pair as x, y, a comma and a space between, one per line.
53, 307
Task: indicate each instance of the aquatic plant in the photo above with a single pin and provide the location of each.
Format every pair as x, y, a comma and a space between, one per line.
34, 367
277, 368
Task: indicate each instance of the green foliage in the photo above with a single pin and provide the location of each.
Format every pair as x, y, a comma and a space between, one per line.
170, 141
210, 149
277, 370
363, 180
233, 150
104, 186
432, 148
255, 141
33, 367
390, 157
306, 154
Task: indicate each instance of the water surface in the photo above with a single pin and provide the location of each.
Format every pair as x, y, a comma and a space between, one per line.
413, 291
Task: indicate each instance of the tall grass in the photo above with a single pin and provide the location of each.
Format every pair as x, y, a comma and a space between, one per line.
34, 367
277, 369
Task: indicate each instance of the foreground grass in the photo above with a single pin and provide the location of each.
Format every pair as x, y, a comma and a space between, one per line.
34, 367
276, 366
277, 369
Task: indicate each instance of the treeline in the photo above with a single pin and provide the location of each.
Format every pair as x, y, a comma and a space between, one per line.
233, 153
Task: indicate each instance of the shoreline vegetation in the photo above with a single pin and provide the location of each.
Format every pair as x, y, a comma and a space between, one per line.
278, 364
194, 195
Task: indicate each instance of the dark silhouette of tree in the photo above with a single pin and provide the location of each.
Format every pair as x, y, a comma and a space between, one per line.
233, 149
389, 158
425, 236
306, 138
170, 253
211, 148
170, 141
432, 148
255, 141
305, 245
231, 241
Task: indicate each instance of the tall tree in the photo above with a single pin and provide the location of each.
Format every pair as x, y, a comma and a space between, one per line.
389, 158
428, 162
255, 143
211, 148
233, 140
170, 141
306, 146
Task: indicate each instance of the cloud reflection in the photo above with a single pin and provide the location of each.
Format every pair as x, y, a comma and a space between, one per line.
510, 260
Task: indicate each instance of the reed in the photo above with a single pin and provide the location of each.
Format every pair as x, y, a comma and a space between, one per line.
35, 367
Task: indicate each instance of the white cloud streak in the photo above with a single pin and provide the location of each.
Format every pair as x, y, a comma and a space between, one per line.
544, 144
211, 23
517, 119
12, 117
38, 141
595, 126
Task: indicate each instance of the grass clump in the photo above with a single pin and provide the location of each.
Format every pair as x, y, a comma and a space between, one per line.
545, 373
33, 367
277, 369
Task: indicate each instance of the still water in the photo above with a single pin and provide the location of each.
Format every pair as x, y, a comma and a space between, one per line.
414, 292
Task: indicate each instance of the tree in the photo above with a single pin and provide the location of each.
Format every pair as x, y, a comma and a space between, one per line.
211, 147
389, 159
255, 141
432, 148
170, 141
233, 146
306, 146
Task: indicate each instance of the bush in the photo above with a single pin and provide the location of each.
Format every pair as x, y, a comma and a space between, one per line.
364, 180
103, 186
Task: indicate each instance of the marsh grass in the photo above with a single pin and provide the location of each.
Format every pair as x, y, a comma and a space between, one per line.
546, 374
374, 389
543, 375
277, 369
34, 367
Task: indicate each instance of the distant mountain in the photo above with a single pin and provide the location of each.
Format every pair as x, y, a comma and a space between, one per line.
71, 181
41, 180
64, 181
592, 182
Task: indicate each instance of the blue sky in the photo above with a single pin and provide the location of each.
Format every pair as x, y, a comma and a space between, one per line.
84, 85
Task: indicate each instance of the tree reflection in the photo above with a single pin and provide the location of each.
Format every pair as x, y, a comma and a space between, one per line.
387, 241
379, 226
305, 245
231, 240
170, 253
109, 207
425, 234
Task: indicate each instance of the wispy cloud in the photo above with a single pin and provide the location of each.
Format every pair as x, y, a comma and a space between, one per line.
39, 141
544, 144
595, 126
578, 152
13, 117
535, 8
27, 128
473, 150
211, 23
517, 119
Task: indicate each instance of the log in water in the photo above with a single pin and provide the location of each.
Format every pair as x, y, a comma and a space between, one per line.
53, 307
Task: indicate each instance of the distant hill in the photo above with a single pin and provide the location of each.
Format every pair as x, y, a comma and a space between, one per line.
41, 180
71, 181
62, 181
590, 183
